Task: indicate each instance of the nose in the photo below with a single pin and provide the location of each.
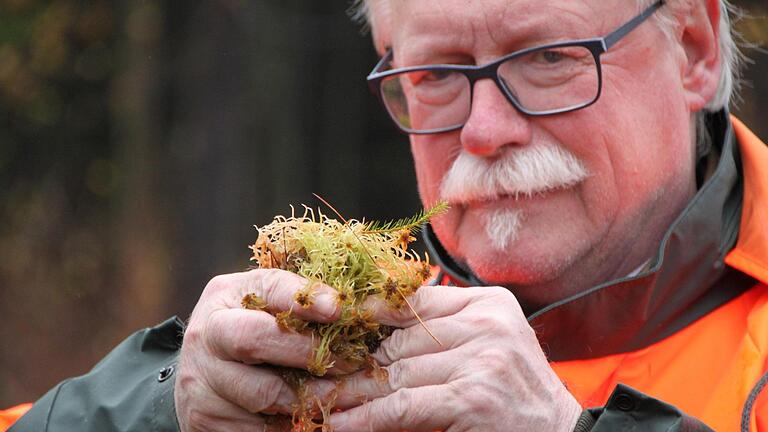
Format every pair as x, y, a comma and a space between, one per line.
493, 122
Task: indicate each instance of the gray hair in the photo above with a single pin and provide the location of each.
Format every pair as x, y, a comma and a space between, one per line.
731, 57
360, 12
731, 62
728, 88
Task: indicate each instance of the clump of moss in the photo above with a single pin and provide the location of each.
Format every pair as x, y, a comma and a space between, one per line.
358, 259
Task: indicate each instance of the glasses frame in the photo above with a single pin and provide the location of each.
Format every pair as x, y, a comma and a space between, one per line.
597, 46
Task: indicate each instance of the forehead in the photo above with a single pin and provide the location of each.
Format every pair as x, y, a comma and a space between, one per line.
471, 26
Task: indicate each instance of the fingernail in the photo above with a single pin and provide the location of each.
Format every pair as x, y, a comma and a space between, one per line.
326, 304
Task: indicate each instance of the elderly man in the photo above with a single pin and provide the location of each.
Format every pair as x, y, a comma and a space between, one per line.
604, 262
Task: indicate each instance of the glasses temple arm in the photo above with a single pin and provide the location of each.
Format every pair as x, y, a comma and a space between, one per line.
382, 63
622, 31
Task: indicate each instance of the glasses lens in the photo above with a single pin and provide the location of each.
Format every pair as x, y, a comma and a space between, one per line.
427, 100
552, 79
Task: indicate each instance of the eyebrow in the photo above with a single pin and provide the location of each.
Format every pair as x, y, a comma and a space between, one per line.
428, 48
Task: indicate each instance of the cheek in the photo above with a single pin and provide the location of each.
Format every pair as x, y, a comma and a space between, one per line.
649, 147
432, 157
446, 226
590, 136
601, 193
630, 140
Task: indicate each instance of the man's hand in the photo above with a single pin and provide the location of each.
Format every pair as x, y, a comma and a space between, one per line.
489, 374
218, 388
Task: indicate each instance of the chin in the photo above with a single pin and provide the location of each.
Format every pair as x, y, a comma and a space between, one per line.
537, 254
518, 265
540, 252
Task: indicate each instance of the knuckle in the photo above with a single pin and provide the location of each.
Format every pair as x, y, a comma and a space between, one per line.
270, 279
186, 381
192, 337
494, 361
389, 348
199, 420
395, 375
402, 314
474, 399
368, 412
498, 292
243, 346
402, 401
218, 288
495, 323
263, 395
503, 296
210, 335
218, 284
276, 286
485, 322
242, 394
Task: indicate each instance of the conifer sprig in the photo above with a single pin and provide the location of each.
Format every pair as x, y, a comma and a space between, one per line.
413, 223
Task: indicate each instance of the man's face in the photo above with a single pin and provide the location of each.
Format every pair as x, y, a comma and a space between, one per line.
634, 144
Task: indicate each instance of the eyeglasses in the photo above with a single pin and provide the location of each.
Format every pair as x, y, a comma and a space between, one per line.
538, 81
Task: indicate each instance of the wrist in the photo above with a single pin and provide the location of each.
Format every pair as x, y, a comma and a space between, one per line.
570, 414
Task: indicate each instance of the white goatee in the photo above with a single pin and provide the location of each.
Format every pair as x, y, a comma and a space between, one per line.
502, 226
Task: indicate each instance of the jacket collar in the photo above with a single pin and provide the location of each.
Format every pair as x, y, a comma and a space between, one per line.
684, 281
751, 252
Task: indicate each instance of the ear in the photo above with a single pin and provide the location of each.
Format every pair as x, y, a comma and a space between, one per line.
380, 20
700, 35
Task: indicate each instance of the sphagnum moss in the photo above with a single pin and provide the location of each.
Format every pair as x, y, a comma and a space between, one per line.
357, 259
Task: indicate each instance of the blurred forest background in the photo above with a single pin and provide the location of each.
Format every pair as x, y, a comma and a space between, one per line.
140, 141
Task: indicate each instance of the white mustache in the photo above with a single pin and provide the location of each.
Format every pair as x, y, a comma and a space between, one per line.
524, 170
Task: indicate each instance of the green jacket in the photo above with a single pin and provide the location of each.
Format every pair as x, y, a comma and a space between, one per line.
131, 389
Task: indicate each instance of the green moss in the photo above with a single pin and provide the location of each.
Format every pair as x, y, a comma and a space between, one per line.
358, 260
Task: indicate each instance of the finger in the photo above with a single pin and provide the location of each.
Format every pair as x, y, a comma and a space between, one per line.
253, 337
216, 414
427, 370
253, 388
429, 302
278, 289
416, 341
413, 409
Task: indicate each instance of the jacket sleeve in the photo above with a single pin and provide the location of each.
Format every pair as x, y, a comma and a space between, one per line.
131, 389
629, 410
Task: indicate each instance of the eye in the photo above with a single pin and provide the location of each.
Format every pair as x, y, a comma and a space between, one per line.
431, 77
552, 56
436, 75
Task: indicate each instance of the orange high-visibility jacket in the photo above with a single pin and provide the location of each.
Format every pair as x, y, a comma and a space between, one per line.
709, 368
9, 416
